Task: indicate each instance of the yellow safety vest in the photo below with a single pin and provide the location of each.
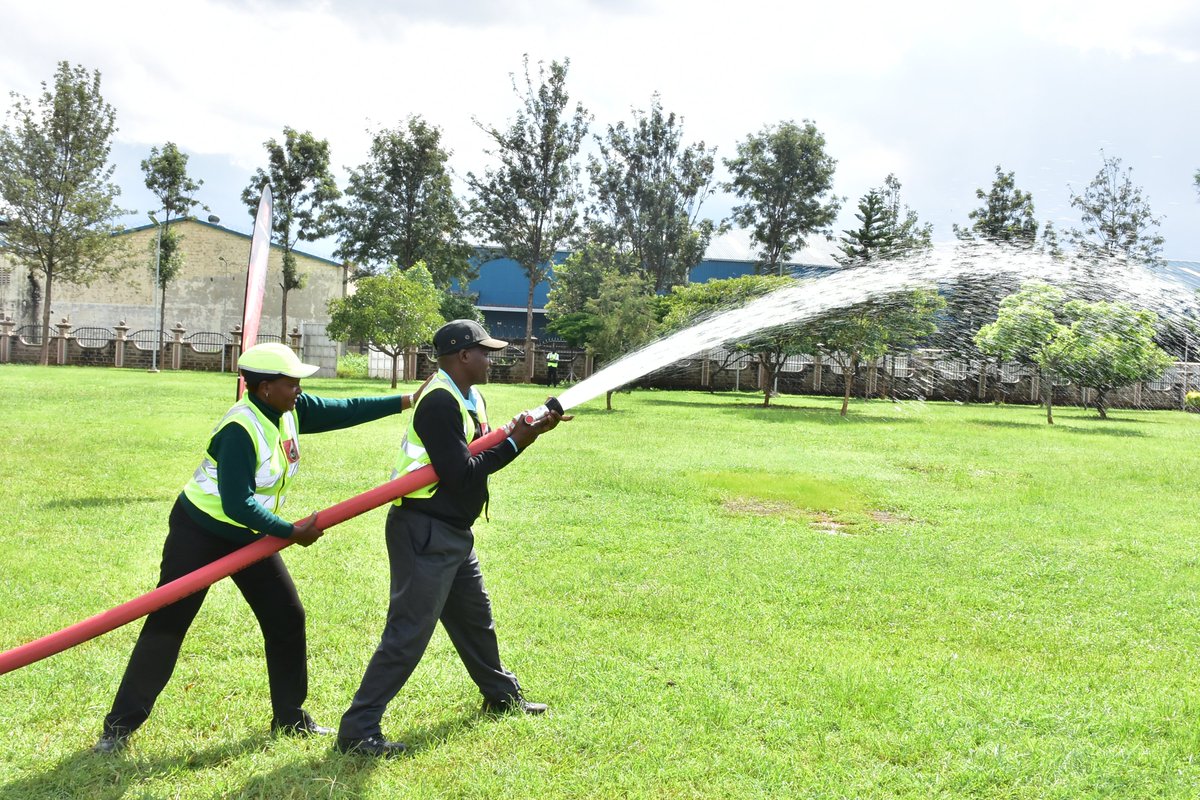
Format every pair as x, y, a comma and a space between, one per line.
552, 359
277, 458
413, 455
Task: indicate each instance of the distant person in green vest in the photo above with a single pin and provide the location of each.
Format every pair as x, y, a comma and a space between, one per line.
435, 575
552, 367
234, 497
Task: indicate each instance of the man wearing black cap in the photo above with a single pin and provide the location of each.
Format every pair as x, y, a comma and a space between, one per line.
434, 572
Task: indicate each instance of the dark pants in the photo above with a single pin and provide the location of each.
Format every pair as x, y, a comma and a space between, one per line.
552, 375
435, 575
269, 590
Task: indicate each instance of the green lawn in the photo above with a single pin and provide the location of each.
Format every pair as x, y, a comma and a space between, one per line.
716, 599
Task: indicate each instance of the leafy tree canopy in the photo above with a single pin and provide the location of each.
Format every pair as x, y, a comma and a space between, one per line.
785, 178
56, 188
392, 311
401, 207
649, 188
305, 196
1006, 215
1116, 217
528, 204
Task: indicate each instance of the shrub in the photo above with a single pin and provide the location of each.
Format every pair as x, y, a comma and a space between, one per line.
352, 365
1192, 401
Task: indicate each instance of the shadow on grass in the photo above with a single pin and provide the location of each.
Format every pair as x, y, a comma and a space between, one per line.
347, 772
830, 415
1088, 431
110, 777
100, 501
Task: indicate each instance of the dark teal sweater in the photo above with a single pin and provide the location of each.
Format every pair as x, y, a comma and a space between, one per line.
233, 450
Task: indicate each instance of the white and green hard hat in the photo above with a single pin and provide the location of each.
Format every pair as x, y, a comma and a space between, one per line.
274, 358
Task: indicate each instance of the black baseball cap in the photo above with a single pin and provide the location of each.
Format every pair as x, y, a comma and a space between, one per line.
463, 333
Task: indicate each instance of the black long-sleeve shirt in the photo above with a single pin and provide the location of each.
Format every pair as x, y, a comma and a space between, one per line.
462, 487
233, 451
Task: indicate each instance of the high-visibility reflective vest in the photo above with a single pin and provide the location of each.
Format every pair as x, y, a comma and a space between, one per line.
552, 359
413, 455
277, 458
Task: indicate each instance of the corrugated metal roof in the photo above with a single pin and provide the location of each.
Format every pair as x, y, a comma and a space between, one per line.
1186, 273
737, 245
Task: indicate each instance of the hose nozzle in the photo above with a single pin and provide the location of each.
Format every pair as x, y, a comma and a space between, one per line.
534, 415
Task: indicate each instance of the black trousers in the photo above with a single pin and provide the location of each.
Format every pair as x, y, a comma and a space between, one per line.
434, 575
269, 590
552, 375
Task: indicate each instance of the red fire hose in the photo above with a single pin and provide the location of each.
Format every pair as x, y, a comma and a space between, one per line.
193, 582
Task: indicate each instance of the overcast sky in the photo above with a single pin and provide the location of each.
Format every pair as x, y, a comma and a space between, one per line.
937, 92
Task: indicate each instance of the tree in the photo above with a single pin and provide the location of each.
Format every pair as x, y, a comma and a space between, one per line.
785, 176
649, 188
304, 194
459, 305
55, 185
528, 204
577, 281
401, 207
888, 227
868, 331
167, 179
874, 238
625, 311
687, 305
1025, 330
393, 311
1117, 221
909, 234
1108, 346
1006, 215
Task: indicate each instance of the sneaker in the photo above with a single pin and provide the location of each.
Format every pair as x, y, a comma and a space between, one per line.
375, 746
513, 703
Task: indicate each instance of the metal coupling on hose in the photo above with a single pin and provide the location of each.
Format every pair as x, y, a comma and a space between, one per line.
534, 415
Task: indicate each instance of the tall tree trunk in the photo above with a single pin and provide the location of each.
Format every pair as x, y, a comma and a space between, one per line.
1049, 400
44, 358
848, 383
1100, 404
395, 365
283, 310
608, 400
162, 320
762, 361
529, 330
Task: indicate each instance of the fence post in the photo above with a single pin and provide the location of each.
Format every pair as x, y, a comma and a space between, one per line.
235, 347
177, 345
294, 340
816, 379
530, 359
410, 363
64, 332
705, 370
6, 328
119, 345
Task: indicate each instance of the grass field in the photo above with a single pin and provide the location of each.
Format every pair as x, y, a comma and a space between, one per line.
716, 599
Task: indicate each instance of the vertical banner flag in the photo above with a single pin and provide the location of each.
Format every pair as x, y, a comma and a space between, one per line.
256, 275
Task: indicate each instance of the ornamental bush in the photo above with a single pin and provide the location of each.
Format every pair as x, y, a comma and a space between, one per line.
352, 365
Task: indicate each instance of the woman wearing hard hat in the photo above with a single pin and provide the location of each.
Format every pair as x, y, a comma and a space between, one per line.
233, 498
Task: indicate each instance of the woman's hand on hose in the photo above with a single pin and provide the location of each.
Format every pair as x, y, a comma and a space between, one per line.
306, 531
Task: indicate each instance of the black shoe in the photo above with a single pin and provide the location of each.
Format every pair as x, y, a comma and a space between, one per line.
305, 727
110, 743
370, 746
514, 703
